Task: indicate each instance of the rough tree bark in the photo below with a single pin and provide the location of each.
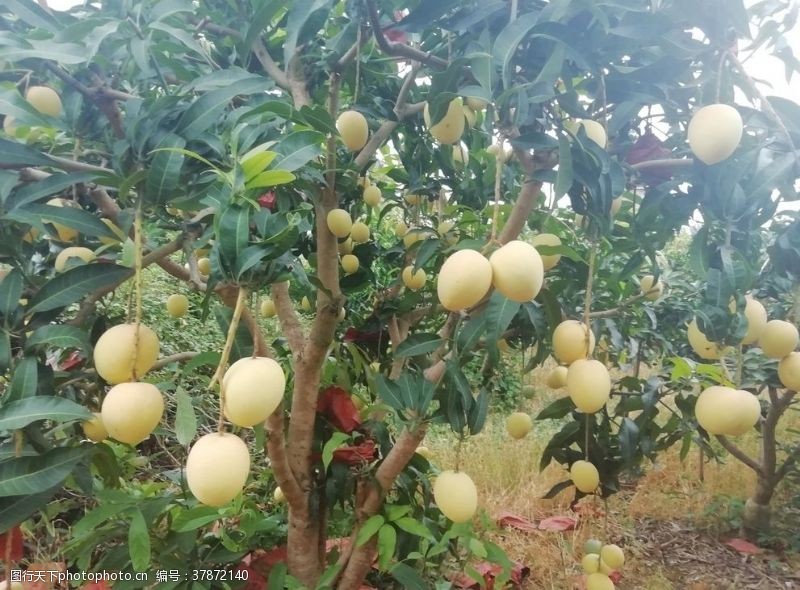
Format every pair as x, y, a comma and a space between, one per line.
758, 512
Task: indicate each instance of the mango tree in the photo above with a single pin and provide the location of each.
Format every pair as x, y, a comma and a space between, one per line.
384, 171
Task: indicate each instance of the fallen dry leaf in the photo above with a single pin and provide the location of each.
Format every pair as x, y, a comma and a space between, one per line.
558, 523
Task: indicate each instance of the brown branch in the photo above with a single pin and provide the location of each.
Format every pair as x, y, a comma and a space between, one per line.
615, 311
90, 92
353, 558
740, 455
399, 49
178, 357
287, 316
275, 445
259, 50
682, 162
62, 164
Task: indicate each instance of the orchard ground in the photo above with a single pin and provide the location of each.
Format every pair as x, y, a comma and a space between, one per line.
673, 526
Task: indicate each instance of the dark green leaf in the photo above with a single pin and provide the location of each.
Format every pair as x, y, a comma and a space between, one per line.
564, 176
408, 577
21, 412
31, 192
165, 167
418, 344
557, 409
13, 153
33, 475
207, 110
557, 489
298, 149
15, 509
478, 412
54, 336
195, 518
24, 381
76, 283
10, 292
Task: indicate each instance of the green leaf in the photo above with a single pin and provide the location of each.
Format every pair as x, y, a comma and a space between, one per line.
298, 149
185, 418
478, 412
232, 227
270, 178
195, 518
418, 344
16, 154
415, 527
15, 509
557, 409
277, 577
369, 528
318, 118
139, 542
207, 110
5, 351
76, 283
564, 175
306, 17
387, 543
63, 53
389, 392
262, 17
408, 577
10, 293
25, 380
33, 191
336, 440
165, 168
33, 475
21, 412
77, 219
34, 15
53, 336
256, 161
499, 314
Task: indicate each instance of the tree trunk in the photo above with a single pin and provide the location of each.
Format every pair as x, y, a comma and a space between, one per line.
303, 558
757, 511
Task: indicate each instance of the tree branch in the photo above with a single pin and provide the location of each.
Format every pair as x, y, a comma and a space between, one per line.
62, 164
682, 162
399, 49
174, 358
290, 323
740, 455
615, 311
259, 50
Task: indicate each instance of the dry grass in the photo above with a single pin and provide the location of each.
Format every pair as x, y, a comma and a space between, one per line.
507, 475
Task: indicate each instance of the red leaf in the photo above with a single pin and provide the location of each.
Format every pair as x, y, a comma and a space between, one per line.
743, 546
101, 585
14, 536
615, 576
490, 571
267, 200
338, 407
558, 523
356, 455
73, 360
514, 521
649, 147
